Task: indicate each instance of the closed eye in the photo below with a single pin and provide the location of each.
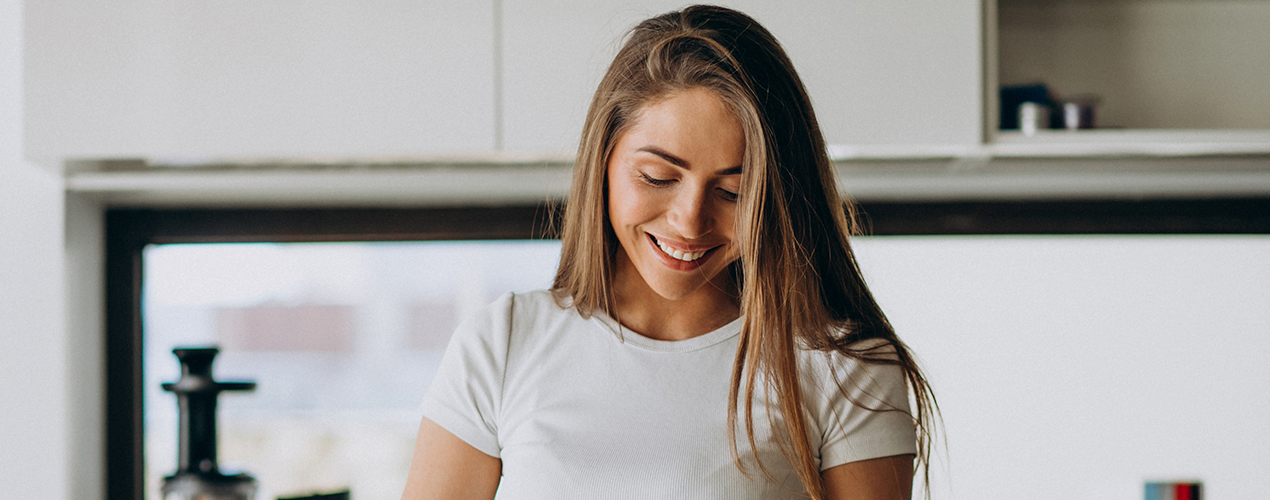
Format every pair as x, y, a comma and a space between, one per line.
728, 195
654, 181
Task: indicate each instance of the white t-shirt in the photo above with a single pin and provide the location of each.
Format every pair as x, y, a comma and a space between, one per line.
580, 408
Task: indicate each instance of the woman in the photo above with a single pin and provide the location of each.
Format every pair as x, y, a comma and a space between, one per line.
708, 333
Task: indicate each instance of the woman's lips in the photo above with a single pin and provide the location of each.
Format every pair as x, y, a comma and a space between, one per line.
679, 258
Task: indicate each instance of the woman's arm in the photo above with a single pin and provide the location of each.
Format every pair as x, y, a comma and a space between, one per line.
446, 467
886, 478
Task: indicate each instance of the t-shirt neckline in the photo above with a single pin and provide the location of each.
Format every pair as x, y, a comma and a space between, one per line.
626, 335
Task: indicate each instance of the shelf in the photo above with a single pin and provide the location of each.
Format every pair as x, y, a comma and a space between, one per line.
1114, 142
1194, 70
330, 184
974, 177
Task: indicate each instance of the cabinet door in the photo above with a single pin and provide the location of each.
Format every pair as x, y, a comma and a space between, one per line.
880, 72
235, 78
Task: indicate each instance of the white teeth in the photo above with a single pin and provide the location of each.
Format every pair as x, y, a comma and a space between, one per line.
678, 254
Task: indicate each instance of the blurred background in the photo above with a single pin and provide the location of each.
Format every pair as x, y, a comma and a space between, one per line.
1079, 366
343, 340
295, 182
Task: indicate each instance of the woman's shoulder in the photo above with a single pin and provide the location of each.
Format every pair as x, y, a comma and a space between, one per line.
542, 298
858, 401
860, 353
513, 304
515, 314
867, 368
532, 306
500, 326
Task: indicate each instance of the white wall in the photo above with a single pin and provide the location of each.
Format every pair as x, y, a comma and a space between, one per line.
85, 356
1078, 367
51, 363
34, 423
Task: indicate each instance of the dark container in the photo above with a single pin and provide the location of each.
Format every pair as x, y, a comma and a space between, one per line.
198, 477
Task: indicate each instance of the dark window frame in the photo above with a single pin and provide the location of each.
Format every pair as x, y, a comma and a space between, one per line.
129, 231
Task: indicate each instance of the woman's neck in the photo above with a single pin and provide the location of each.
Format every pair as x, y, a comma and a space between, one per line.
640, 308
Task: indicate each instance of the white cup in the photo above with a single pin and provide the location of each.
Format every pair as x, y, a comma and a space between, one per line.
1033, 116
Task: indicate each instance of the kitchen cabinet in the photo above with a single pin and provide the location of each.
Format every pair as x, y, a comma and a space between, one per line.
184, 81
1170, 73
239, 78
899, 75
510, 80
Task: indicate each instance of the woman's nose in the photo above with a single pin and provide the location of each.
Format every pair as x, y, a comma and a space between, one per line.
689, 213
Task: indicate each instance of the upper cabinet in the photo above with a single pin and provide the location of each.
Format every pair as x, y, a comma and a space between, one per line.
244, 78
1163, 72
512, 79
501, 79
883, 75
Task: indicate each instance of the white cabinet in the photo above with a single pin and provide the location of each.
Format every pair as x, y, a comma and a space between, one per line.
508, 79
243, 78
180, 79
880, 73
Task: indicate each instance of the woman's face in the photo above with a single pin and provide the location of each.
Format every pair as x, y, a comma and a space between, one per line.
673, 179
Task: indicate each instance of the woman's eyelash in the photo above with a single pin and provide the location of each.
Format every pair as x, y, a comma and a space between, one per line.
655, 182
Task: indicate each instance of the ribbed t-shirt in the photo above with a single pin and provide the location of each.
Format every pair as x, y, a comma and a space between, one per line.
585, 408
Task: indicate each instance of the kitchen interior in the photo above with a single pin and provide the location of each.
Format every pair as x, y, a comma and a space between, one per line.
1069, 362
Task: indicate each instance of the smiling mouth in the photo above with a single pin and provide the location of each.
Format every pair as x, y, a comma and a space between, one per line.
679, 254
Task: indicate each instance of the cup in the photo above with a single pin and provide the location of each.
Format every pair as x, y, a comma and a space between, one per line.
1033, 116
1078, 112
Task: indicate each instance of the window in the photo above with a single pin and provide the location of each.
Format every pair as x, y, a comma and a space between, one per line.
300, 301
342, 339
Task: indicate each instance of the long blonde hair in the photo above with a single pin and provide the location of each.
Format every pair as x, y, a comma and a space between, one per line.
800, 286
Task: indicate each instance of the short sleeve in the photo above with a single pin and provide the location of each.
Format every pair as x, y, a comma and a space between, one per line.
862, 410
465, 395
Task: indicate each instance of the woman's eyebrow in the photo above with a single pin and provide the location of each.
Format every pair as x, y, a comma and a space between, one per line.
680, 162
675, 160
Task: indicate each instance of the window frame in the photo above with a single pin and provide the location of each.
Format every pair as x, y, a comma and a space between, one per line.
129, 230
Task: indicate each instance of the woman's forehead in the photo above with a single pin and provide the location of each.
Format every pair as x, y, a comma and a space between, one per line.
686, 129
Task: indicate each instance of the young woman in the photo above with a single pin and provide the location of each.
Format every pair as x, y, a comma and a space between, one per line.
708, 334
